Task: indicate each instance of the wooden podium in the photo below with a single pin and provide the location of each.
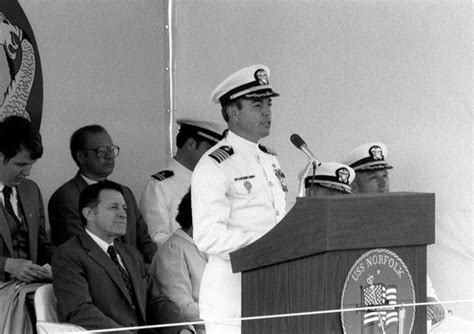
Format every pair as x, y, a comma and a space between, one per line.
302, 263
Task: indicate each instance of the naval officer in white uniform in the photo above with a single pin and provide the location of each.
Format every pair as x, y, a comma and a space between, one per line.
238, 192
164, 191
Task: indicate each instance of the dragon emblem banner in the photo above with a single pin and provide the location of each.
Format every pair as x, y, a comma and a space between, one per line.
21, 82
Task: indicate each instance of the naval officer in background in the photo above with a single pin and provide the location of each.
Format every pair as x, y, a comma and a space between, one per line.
238, 192
161, 197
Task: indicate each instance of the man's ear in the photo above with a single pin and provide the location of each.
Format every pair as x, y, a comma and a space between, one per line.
80, 156
233, 112
87, 213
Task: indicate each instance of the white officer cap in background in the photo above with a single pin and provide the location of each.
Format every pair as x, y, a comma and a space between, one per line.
332, 175
249, 82
212, 131
369, 156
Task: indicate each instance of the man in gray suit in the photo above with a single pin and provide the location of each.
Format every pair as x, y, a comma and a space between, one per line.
25, 251
94, 153
24, 246
100, 282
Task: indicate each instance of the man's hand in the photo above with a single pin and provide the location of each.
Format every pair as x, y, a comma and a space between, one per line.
435, 312
26, 271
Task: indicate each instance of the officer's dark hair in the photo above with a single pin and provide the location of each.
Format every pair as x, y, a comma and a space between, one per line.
89, 196
79, 139
186, 132
16, 134
184, 216
224, 110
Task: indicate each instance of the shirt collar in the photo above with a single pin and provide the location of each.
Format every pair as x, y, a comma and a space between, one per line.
88, 181
14, 192
101, 243
176, 165
236, 140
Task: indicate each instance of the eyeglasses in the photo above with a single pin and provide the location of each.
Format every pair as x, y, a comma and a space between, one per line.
106, 152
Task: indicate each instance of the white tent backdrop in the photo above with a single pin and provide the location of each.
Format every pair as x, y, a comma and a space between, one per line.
348, 72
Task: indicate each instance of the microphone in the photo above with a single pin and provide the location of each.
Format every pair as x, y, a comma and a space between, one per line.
301, 145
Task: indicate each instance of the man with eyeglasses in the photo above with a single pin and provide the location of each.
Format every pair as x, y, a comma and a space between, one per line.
94, 152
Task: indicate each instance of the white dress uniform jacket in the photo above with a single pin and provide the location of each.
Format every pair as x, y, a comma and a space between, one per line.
160, 200
238, 195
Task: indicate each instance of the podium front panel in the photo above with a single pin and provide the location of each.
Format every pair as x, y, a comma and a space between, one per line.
315, 283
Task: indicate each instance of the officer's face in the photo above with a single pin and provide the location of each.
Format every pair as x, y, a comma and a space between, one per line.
108, 220
318, 191
254, 120
376, 181
92, 166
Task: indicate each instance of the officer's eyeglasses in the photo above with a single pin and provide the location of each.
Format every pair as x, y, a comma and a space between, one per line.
106, 152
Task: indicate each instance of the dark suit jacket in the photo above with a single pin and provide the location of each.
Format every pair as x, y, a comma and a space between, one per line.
41, 249
91, 292
65, 219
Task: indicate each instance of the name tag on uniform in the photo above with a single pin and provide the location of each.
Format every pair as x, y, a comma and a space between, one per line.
244, 178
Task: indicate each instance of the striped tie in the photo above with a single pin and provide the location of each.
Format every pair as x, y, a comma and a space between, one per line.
126, 278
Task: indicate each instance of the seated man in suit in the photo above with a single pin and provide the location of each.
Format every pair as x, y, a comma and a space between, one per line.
94, 153
24, 246
25, 250
330, 178
100, 282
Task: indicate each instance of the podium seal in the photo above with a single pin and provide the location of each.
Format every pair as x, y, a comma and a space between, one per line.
376, 281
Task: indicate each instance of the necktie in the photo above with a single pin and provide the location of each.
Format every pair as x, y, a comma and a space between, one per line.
126, 278
7, 192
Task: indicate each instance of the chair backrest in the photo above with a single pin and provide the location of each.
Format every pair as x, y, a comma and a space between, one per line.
46, 313
46, 304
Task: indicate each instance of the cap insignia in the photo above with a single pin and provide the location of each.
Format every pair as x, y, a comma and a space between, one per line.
261, 76
222, 153
164, 174
376, 152
267, 150
343, 175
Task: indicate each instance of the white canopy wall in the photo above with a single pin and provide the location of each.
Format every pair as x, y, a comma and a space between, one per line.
348, 73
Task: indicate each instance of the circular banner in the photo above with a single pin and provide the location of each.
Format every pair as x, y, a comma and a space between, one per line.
21, 82
377, 280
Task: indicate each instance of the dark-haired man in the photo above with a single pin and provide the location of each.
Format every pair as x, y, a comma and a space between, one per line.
101, 283
163, 193
94, 152
24, 246
25, 251
238, 192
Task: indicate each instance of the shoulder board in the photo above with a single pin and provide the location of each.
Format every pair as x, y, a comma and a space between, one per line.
164, 174
267, 150
222, 153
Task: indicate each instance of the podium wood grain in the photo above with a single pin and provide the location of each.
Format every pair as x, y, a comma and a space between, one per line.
301, 264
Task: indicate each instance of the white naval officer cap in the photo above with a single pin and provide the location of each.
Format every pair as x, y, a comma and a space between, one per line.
250, 82
369, 156
212, 131
333, 175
